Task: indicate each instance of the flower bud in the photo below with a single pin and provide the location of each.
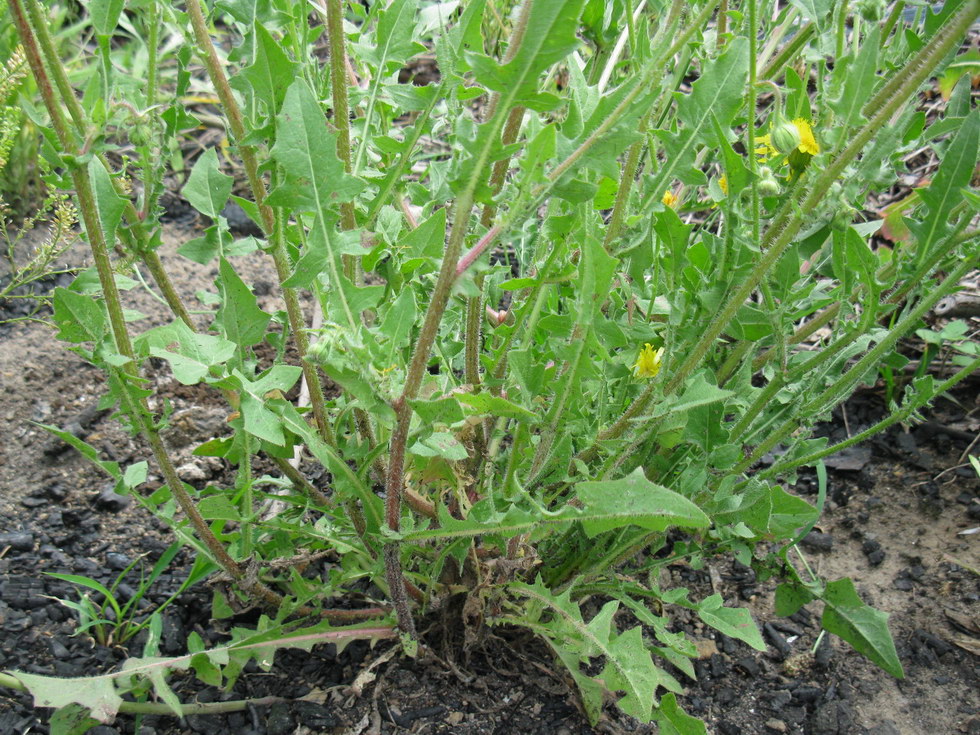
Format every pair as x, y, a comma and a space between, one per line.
768, 186
871, 10
785, 137
843, 217
317, 352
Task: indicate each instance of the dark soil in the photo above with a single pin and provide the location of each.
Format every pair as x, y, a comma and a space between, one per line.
898, 520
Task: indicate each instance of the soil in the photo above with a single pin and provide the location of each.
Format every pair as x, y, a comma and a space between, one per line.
901, 520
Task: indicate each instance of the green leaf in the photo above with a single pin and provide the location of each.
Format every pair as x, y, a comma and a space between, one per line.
96, 693
954, 174
72, 719
735, 622
603, 153
699, 391
551, 35
110, 205
79, 317
191, 354
963, 65
425, 243
307, 152
506, 524
315, 182
790, 597
628, 668
320, 256
440, 444
858, 81
488, 404
463, 36
438, 411
675, 721
239, 319
788, 513
218, 507
135, 474
101, 694
866, 629
207, 189
634, 500
397, 323
203, 249
814, 10
91, 584
157, 676
264, 76
736, 173
392, 44
86, 450
595, 276
589, 689
259, 419
105, 15
346, 482
717, 94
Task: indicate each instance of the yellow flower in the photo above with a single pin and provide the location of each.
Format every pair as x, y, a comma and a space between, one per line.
723, 185
765, 149
648, 362
670, 199
808, 143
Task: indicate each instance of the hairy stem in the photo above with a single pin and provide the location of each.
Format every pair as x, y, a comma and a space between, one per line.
273, 229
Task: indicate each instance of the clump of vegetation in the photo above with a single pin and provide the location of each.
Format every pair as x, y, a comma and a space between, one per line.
518, 439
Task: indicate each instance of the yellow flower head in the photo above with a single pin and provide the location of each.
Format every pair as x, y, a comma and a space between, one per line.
648, 362
723, 184
808, 143
766, 148
670, 199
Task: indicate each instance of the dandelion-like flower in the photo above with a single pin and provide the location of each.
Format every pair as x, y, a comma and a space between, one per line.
648, 362
670, 199
723, 184
808, 142
766, 149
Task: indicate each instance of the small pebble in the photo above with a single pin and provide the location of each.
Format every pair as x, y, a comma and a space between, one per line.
116, 561
875, 558
18, 540
59, 650
818, 541
191, 472
111, 501
279, 721
807, 694
749, 665
56, 491
778, 641
825, 652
